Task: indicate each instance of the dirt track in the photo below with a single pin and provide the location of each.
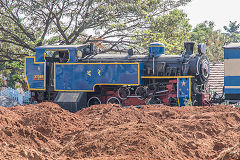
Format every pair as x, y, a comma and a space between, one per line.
45, 131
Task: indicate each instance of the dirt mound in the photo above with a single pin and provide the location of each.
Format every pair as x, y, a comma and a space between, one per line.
46, 131
230, 153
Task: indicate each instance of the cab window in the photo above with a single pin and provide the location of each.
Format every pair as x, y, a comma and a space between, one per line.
57, 56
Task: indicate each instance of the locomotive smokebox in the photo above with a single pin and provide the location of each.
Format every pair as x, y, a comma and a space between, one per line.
156, 49
189, 48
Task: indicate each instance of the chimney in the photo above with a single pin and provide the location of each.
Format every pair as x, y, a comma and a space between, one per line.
189, 48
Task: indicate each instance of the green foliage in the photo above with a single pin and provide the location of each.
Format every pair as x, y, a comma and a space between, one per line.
214, 39
203, 31
14, 74
31, 23
233, 27
172, 29
187, 102
38, 22
233, 31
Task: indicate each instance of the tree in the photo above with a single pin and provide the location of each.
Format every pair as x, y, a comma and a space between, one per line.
13, 74
31, 23
233, 31
172, 29
214, 39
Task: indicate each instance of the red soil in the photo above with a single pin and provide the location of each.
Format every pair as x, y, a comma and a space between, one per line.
46, 131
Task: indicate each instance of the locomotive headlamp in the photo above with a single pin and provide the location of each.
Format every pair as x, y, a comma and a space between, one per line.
202, 48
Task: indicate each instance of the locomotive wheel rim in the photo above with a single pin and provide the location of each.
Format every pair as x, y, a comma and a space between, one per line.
96, 98
119, 95
114, 98
140, 97
196, 89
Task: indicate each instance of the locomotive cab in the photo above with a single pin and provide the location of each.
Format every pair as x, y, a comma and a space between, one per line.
53, 56
40, 69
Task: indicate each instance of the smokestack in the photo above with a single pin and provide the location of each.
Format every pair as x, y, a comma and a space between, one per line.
189, 48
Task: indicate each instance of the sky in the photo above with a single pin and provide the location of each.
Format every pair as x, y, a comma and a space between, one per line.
218, 11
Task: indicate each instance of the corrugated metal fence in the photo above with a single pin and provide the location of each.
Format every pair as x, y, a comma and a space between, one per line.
21, 98
216, 77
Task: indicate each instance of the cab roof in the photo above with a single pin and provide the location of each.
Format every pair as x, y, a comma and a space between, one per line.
232, 45
59, 46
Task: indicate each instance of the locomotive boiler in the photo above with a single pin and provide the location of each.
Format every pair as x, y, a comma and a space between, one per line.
76, 76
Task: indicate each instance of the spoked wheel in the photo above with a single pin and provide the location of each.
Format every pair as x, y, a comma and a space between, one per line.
113, 100
123, 92
141, 92
93, 101
196, 88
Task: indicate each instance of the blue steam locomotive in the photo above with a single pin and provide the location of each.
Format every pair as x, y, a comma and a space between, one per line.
77, 76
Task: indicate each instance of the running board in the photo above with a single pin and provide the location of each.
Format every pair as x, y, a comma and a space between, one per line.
71, 101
